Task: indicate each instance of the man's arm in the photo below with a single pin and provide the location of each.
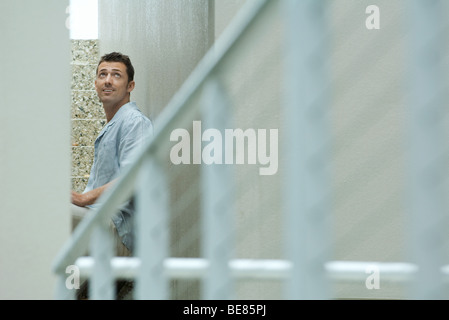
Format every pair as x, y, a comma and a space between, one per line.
90, 197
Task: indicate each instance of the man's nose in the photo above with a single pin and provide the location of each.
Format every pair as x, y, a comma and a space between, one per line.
108, 79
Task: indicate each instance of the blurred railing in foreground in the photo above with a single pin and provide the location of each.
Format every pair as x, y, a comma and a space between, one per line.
217, 231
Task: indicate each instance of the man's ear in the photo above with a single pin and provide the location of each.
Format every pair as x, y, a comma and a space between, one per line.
131, 86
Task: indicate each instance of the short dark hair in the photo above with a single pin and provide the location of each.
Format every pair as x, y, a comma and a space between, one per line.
119, 57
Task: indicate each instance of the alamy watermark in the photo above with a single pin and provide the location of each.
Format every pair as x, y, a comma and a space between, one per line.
233, 146
372, 282
372, 22
73, 279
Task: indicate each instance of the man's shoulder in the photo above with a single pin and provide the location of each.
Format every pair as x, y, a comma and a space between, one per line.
133, 113
134, 123
138, 117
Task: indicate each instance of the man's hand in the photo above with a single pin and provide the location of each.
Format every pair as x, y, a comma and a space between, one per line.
79, 199
88, 198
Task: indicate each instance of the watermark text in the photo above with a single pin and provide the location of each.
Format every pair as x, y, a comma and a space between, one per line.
234, 146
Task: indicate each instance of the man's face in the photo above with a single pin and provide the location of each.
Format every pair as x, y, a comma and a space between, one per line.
112, 84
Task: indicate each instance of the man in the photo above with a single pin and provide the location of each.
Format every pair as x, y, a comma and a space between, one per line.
125, 132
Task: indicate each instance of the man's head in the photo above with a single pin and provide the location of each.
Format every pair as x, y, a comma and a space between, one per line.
115, 79
118, 57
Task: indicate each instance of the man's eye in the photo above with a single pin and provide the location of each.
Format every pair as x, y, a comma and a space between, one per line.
117, 75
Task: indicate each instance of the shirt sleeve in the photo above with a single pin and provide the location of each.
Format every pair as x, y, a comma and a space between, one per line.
136, 134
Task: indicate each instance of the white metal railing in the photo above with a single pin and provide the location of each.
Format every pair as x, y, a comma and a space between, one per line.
306, 192
190, 268
307, 266
427, 193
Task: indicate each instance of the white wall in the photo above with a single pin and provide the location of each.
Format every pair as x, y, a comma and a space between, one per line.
34, 145
367, 117
368, 113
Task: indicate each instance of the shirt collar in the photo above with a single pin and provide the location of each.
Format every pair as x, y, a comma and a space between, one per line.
118, 114
116, 117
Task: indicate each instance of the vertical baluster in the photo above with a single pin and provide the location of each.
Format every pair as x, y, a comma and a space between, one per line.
62, 291
101, 286
217, 198
428, 190
306, 154
152, 231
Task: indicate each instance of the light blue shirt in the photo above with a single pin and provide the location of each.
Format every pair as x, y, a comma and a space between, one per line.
117, 144
115, 148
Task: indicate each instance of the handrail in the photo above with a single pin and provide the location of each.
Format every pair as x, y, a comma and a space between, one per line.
176, 109
269, 269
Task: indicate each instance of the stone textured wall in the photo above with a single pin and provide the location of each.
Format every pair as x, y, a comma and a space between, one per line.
86, 110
